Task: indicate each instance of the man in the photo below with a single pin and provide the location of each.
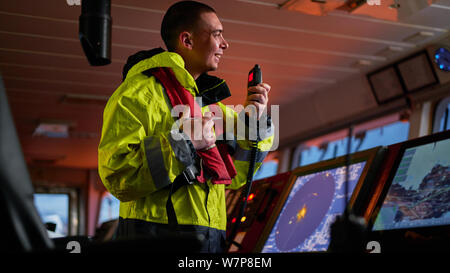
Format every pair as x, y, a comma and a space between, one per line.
171, 182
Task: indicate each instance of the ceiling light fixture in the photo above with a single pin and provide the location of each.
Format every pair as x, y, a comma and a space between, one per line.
52, 129
85, 99
419, 37
390, 51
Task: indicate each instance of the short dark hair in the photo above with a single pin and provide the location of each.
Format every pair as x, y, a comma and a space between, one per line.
181, 16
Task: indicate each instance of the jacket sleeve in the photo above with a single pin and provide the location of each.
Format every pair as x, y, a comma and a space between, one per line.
135, 156
242, 145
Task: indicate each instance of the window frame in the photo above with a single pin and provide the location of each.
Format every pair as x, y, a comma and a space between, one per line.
73, 224
439, 112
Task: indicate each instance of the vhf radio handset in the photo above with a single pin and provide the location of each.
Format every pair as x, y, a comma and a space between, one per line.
254, 78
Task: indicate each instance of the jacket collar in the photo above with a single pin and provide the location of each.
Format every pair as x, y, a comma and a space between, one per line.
212, 89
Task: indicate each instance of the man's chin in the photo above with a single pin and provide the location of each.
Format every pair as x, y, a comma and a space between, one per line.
213, 68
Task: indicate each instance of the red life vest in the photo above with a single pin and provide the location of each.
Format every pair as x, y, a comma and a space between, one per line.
216, 161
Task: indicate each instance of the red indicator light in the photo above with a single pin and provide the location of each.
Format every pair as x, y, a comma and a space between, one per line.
251, 196
250, 77
233, 220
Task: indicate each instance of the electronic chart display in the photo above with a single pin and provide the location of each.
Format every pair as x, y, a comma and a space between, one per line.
312, 205
419, 195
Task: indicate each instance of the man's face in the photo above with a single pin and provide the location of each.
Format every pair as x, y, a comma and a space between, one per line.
208, 43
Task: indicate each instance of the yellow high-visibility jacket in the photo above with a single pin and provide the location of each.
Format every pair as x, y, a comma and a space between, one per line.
138, 157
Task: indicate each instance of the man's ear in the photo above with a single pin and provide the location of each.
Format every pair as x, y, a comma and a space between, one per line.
186, 40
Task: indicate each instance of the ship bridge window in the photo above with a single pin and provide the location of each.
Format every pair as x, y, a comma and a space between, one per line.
58, 210
109, 209
381, 132
441, 120
269, 166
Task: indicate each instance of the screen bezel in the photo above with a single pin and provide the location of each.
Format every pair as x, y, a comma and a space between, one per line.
277, 184
403, 232
369, 156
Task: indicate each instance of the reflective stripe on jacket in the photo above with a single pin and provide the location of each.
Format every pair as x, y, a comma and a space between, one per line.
138, 157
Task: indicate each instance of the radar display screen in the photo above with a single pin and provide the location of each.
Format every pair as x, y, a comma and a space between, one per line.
419, 195
312, 205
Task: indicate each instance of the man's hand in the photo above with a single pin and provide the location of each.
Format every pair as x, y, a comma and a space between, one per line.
200, 131
258, 96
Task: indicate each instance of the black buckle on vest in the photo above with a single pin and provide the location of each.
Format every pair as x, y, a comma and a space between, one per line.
189, 175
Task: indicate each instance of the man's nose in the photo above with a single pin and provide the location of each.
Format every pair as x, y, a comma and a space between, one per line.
224, 45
